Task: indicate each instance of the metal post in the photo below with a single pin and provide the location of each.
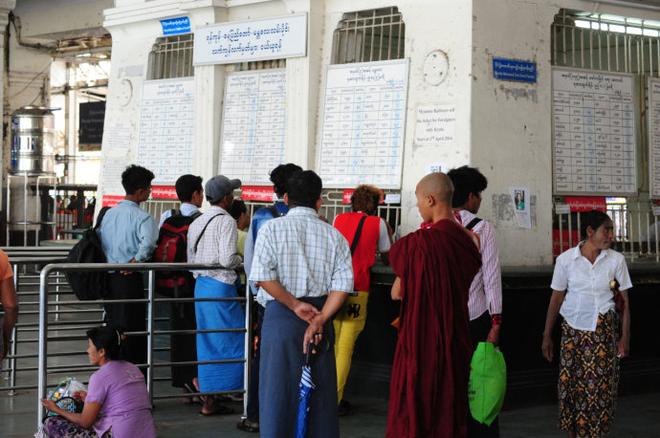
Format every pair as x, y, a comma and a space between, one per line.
248, 344
25, 210
150, 333
43, 346
7, 242
14, 343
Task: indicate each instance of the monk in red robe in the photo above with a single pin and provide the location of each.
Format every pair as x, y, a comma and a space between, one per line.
434, 268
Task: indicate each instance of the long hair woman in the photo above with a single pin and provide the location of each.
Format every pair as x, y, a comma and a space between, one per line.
594, 336
117, 403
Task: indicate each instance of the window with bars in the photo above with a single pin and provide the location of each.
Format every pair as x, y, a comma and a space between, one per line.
171, 57
606, 42
260, 65
370, 35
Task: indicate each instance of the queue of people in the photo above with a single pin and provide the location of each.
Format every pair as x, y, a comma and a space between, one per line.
310, 282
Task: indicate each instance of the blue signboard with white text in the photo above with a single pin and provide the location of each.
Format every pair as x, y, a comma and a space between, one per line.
175, 26
516, 70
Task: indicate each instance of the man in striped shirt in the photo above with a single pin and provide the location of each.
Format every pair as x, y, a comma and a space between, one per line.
485, 300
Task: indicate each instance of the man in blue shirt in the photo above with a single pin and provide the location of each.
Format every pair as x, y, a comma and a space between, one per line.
279, 176
128, 235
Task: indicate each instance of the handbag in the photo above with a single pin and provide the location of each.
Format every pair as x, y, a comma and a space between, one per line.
619, 304
487, 386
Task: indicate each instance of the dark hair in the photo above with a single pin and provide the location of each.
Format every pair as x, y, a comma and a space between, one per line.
593, 219
304, 189
135, 178
466, 180
365, 198
107, 338
281, 174
237, 208
186, 185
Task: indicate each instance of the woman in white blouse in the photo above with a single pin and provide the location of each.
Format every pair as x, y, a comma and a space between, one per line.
594, 336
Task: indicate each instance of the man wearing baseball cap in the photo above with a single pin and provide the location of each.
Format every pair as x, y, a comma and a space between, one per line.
212, 239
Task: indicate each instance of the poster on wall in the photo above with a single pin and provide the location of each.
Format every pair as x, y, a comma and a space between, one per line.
364, 115
165, 141
653, 124
593, 133
253, 125
522, 206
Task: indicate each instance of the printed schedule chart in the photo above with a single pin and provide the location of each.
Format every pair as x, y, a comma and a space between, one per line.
594, 134
363, 124
253, 125
166, 128
654, 136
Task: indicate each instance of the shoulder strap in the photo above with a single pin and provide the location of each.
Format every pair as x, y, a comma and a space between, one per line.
274, 211
102, 213
356, 238
473, 223
196, 214
204, 230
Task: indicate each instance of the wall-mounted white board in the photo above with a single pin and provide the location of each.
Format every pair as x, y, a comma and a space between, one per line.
165, 143
653, 124
364, 114
593, 133
253, 125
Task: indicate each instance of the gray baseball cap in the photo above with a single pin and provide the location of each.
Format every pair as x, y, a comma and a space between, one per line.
220, 186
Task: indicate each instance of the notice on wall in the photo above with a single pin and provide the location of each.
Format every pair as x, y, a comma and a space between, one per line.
364, 116
435, 125
593, 122
654, 136
165, 141
253, 125
256, 40
113, 164
522, 206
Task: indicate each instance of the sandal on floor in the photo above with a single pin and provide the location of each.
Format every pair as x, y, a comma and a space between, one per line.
248, 426
218, 410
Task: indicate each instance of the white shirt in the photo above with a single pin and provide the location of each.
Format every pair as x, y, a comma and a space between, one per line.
587, 285
186, 209
306, 255
216, 246
486, 288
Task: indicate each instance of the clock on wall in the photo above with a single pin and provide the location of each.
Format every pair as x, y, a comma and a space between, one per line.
125, 92
436, 67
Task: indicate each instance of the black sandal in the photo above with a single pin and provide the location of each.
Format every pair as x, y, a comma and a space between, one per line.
248, 426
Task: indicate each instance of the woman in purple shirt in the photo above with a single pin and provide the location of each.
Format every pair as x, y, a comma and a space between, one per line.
117, 404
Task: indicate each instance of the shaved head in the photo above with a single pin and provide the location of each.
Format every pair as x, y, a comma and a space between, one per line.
438, 185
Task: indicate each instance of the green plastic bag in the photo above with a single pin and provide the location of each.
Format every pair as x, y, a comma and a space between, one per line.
487, 385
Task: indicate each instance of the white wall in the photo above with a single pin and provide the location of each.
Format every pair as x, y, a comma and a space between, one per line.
511, 122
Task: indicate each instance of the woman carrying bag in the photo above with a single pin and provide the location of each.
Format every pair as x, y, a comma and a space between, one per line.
594, 337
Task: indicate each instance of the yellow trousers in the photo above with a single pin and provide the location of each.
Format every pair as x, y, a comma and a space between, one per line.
348, 323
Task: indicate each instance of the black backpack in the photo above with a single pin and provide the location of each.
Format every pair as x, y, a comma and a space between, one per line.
172, 247
91, 285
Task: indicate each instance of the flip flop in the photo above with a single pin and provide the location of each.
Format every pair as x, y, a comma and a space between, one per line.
248, 426
218, 410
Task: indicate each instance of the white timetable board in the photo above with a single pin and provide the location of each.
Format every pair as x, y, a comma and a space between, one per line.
364, 116
166, 128
654, 136
253, 125
593, 133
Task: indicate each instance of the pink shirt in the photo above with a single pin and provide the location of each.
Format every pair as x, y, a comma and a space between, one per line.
120, 389
486, 288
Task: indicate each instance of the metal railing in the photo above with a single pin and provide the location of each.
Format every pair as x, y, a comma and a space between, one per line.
636, 231
151, 332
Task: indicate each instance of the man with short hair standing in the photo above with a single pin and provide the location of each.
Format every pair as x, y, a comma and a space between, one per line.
485, 302
128, 235
303, 267
190, 193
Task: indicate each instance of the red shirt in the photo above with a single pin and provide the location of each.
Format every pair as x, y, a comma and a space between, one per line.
364, 256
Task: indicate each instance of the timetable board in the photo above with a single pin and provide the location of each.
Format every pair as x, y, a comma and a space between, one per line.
253, 125
165, 141
364, 114
654, 136
593, 133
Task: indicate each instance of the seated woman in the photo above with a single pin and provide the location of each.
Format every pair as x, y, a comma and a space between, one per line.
117, 404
